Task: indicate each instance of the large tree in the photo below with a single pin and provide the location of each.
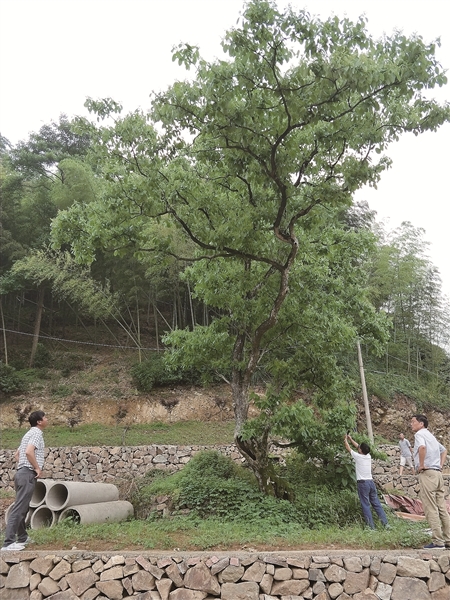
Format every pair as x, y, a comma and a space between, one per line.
255, 161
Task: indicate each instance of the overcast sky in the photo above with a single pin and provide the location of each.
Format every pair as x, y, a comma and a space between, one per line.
55, 53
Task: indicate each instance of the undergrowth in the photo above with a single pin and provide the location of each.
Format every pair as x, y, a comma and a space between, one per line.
217, 505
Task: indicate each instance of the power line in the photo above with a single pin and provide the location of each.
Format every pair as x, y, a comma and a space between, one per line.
48, 337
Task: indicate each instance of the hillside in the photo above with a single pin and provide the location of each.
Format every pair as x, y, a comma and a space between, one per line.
98, 388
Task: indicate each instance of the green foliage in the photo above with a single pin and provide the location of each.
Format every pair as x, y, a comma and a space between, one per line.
158, 371
323, 506
315, 428
67, 279
209, 463
62, 391
408, 288
155, 373
150, 373
423, 393
10, 380
211, 486
43, 357
189, 534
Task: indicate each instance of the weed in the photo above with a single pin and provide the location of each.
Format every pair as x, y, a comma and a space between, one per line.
22, 413
61, 391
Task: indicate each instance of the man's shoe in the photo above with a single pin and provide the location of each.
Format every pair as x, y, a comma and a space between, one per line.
447, 546
434, 547
15, 546
27, 541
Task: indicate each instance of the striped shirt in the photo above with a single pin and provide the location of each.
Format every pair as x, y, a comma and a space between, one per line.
35, 438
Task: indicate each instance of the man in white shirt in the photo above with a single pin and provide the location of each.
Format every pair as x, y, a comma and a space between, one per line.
367, 490
429, 459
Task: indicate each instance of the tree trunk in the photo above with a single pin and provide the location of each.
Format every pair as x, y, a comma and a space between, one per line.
254, 450
37, 324
256, 453
4, 332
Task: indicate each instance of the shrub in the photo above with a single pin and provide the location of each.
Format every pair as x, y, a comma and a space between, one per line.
322, 505
209, 463
10, 380
42, 357
150, 373
155, 373
212, 486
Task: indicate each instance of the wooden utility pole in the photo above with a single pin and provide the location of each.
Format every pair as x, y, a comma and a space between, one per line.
364, 393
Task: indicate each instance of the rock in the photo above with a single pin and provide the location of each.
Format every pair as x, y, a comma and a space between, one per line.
200, 578
408, 588
239, 591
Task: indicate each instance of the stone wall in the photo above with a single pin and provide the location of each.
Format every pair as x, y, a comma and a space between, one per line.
109, 464
242, 576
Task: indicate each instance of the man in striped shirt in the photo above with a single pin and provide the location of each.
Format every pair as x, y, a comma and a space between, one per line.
30, 461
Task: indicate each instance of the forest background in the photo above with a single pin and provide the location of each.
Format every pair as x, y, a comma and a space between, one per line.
216, 234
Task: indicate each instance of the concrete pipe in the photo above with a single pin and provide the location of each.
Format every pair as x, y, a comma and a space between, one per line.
43, 516
71, 493
27, 518
40, 491
100, 512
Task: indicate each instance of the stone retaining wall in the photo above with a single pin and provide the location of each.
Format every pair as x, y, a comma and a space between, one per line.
242, 576
109, 464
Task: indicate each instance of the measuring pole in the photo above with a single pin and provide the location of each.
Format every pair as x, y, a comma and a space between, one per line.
364, 393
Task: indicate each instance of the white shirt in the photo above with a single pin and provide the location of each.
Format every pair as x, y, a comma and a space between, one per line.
363, 465
405, 447
433, 449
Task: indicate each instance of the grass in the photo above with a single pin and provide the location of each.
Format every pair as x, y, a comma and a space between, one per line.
185, 533
182, 433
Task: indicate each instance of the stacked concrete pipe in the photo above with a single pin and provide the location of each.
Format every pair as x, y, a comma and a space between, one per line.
71, 493
40, 491
77, 501
100, 512
43, 516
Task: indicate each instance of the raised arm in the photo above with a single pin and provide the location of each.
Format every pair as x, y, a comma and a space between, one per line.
348, 437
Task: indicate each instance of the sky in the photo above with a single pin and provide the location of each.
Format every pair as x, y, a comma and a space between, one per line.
56, 53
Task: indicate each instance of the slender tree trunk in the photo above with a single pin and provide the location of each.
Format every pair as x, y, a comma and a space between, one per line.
5, 345
37, 324
20, 310
155, 315
190, 306
138, 329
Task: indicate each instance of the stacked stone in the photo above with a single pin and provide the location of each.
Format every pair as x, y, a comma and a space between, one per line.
292, 576
106, 463
109, 464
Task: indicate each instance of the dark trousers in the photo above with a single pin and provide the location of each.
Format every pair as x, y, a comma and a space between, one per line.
368, 497
24, 483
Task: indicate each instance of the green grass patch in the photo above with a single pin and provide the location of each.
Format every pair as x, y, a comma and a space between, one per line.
187, 533
183, 433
